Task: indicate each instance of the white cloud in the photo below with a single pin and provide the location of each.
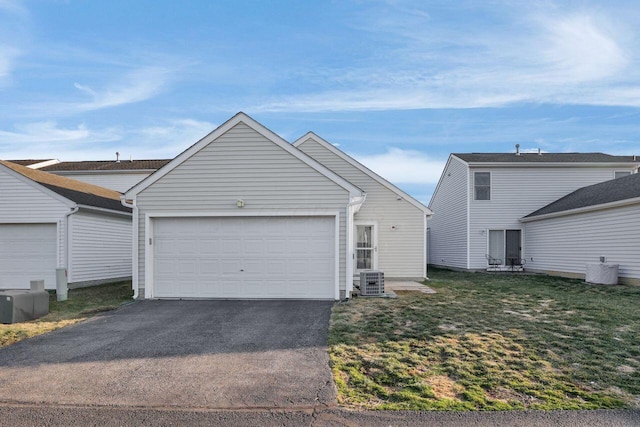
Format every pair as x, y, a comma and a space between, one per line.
536, 53
13, 35
403, 166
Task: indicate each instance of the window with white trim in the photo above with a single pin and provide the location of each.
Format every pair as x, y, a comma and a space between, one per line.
482, 185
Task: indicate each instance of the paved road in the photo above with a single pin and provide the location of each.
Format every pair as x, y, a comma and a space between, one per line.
18, 416
186, 354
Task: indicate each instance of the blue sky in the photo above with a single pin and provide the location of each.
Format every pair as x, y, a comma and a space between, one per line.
396, 84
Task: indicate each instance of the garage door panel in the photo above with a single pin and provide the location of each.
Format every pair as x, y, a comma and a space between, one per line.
266, 257
27, 252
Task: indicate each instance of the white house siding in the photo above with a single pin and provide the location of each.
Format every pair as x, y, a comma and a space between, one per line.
242, 164
401, 253
448, 226
566, 244
100, 247
22, 203
516, 192
117, 180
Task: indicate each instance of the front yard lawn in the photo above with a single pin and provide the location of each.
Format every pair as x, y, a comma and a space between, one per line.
490, 342
81, 304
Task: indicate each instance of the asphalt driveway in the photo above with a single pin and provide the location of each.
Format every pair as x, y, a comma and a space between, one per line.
197, 354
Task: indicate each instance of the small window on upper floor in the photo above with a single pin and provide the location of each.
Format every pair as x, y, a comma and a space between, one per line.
482, 185
620, 174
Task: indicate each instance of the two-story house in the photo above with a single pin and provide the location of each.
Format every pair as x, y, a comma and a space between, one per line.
481, 197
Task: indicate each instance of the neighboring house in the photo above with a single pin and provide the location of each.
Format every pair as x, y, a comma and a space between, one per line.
601, 220
119, 175
244, 214
49, 222
481, 197
36, 164
390, 227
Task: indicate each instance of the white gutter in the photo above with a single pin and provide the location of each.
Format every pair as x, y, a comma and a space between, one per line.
67, 244
134, 245
109, 211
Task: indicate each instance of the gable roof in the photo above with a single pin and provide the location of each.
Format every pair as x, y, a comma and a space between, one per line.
615, 190
545, 158
353, 162
262, 130
107, 165
79, 192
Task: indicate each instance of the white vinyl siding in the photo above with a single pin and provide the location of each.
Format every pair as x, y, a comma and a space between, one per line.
22, 203
568, 243
100, 247
27, 252
515, 193
242, 164
119, 181
400, 250
448, 226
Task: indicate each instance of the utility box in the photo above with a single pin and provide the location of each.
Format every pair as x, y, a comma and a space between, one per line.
602, 274
18, 305
371, 283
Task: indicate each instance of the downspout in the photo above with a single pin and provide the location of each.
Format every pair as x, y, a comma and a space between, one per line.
352, 208
134, 245
67, 238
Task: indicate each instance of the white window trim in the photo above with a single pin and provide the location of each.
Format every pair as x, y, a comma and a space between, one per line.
490, 186
374, 258
148, 235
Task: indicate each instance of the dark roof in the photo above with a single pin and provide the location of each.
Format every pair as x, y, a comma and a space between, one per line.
79, 192
627, 187
28, 162
107, 165
88, 199
545, 158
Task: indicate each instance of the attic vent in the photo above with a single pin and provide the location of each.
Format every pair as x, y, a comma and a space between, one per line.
117, 157
371, 283
517, 149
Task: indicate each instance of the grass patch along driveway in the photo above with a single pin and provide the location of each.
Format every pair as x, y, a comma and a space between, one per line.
81, 304
490, 342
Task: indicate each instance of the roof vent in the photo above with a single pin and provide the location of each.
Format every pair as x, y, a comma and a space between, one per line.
539, 152
517, 149
117, 157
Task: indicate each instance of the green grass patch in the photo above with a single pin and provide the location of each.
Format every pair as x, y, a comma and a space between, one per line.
81, 304
490, 342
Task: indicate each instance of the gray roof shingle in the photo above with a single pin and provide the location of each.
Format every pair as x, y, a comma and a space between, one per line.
107, 165
627, 187
545, 158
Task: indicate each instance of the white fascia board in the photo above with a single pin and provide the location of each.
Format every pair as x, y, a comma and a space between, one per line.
44, 164
551, 165
362, 168
593, 208
39, 187
225, 127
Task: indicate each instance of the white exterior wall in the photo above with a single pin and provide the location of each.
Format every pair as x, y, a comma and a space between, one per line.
401, 253
21, 202
242, 164
119, 180
100, 246
566, 244
516, 192
448, 226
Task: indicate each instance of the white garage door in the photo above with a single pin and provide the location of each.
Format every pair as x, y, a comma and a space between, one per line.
266, 257
27, 252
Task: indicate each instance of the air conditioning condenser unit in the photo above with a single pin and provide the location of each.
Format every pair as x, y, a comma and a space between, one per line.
371, 283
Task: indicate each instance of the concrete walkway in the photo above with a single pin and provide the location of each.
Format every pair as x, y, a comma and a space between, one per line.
391, 287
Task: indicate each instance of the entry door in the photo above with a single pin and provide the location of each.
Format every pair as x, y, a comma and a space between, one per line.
365, 247
513, 247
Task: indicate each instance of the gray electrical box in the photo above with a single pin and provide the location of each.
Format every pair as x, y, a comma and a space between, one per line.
18, 305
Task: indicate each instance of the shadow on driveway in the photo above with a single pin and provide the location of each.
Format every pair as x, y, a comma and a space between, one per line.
207, 354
